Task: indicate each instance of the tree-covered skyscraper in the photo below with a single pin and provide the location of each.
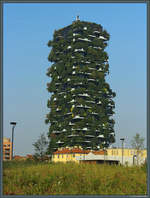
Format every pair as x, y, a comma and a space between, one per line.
81, 105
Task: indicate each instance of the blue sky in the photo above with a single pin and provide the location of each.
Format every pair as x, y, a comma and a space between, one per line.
27, 30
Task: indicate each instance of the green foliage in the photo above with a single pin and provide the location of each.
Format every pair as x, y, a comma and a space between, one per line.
72, 179
79, 67
40, 147
137, 142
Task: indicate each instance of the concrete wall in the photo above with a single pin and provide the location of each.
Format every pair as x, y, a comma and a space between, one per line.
112, 155
126, 160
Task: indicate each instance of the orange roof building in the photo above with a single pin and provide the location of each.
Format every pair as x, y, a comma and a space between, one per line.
70, 154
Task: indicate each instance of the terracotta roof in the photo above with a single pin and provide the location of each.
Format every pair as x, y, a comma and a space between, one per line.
29, 156
18, 157
74, 150
100, 152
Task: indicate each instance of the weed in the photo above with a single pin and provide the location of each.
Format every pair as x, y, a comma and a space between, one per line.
30, 178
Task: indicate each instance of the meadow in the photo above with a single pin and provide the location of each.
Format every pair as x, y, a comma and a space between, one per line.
32, 178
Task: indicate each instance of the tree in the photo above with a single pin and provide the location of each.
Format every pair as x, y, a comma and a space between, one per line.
137, 143
40, 147
81, 105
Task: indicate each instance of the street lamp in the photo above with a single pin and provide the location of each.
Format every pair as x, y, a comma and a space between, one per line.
122, 139
13, 126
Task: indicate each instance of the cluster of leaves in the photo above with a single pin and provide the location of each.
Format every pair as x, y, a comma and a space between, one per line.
79, 67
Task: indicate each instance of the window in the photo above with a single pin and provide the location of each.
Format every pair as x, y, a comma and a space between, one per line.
7, 150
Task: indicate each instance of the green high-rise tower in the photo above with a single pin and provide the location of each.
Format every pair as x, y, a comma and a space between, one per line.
81, 105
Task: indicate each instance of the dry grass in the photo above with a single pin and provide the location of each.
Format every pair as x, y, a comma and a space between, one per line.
23, 178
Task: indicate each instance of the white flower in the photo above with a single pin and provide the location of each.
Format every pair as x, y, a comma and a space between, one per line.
85, 28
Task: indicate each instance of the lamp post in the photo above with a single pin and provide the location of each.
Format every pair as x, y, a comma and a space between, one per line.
122, 139
13, 126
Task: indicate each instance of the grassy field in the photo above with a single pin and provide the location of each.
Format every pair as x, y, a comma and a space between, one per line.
30, 178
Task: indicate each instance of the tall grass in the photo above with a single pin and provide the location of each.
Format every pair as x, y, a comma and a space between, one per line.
29, 178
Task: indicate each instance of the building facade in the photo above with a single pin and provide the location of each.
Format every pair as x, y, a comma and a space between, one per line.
110, 156
81, 105
71, 154
7, 149
129, 155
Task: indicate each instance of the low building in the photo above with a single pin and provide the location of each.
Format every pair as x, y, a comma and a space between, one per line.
98, 159
110, 156
71, 154
130, 155
7, 149
19, 158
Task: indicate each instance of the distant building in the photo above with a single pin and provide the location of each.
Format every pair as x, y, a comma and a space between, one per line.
69, 154
7, 149
110, 156
19, 158
114, 156
130, 155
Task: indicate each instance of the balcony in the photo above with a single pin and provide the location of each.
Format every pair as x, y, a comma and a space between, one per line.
89, 136
72, 135
56, 132
59, 142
